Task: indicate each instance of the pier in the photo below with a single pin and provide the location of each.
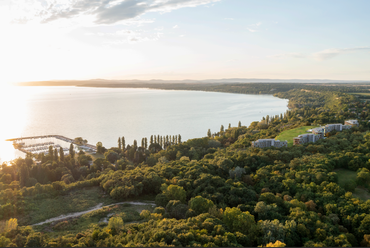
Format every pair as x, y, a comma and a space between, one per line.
60, 137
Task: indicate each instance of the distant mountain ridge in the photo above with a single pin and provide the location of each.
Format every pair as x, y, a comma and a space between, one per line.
102, 82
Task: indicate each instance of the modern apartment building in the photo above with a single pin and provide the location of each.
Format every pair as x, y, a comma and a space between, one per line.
351, 123
320, 131
263, 143
305, 138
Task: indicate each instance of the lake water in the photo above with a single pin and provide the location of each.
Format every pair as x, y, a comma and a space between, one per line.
104, 114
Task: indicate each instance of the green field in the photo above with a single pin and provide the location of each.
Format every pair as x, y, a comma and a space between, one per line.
75, 201
345, 176
71, 226
290, 134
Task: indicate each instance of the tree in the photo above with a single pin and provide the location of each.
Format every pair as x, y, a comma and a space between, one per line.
115, 224
222, 128
174, 192
111, 156
55, 154
151, 139
146, 143
71, 150
123, 144
119, 143
239, 124
61, 154
229, 125
143, 142
209, 134
51, 152
179, 139
99, 147
200, 204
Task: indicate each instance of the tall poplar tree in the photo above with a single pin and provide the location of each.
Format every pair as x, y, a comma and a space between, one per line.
142, 143
51, 152
151, 139
209, 134
61, 154
135, 145
55, 154
123, 143
179, 139
71, 151
146, 143
239, 124
222, 128
155, 139
119, 144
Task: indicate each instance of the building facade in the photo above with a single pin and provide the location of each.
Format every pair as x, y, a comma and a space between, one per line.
351, 123
263, 143
305, 138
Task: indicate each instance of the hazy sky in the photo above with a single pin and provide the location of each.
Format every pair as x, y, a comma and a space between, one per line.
184, 39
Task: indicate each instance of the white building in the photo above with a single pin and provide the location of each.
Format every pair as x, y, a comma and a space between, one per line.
263, 143
305, 138
351, 123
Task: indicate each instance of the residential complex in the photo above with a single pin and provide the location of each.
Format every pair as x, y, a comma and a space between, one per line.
263, 143
305, 138
319, 132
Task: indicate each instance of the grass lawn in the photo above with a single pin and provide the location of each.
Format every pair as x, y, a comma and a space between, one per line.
290, 134
70, 227
345, 176
75, 201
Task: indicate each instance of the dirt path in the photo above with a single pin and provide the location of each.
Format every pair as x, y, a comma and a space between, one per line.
99, 206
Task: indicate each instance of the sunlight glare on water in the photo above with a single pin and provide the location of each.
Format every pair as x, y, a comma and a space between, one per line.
13, 117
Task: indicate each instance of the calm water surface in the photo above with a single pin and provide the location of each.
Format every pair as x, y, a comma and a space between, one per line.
104, 114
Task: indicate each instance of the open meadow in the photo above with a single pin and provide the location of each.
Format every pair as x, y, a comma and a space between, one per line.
290, 134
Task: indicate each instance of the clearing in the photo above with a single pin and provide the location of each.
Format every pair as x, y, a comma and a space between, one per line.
291, 133
345, 176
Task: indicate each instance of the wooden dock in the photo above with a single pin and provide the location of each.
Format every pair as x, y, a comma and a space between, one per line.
61, 137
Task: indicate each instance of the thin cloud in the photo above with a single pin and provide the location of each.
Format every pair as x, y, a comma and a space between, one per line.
289, 55
254, 27
331, 53
176, 26
100, 11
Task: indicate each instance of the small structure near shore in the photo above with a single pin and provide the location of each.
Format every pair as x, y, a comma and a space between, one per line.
45, 141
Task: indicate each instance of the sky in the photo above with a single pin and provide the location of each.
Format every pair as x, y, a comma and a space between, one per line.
184, 39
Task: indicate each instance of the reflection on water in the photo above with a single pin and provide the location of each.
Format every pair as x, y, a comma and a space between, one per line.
104, 114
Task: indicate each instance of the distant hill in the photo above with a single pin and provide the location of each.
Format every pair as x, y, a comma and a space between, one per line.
116, 83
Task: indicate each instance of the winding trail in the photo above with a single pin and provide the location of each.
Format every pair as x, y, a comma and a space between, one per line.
99, 206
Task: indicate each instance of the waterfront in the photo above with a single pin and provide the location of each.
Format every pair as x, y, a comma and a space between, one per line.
104, 114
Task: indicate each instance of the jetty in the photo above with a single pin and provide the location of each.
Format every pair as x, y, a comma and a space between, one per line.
60, 137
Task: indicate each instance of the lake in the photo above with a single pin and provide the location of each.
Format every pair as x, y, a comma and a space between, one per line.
104, 114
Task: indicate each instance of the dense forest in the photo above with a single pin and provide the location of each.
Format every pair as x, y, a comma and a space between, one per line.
211, 191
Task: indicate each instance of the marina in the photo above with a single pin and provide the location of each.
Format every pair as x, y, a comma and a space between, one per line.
41, 144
